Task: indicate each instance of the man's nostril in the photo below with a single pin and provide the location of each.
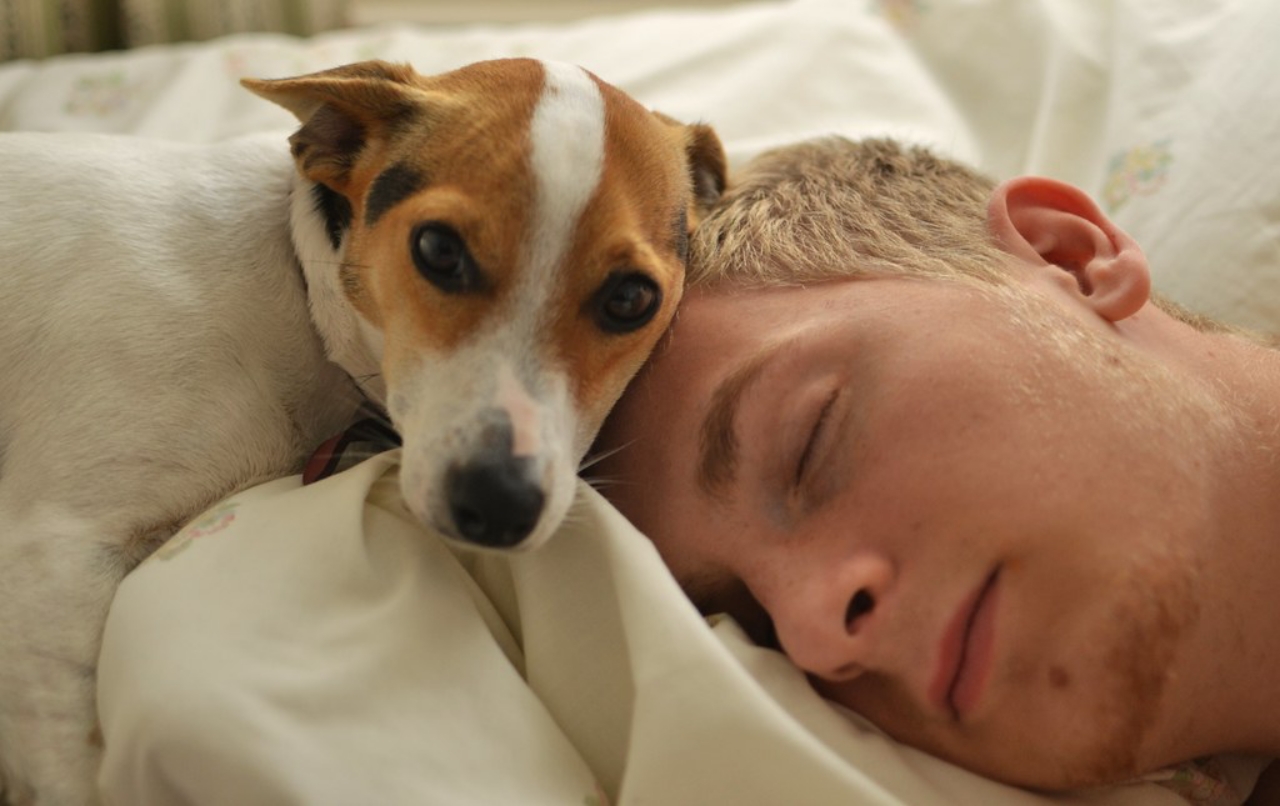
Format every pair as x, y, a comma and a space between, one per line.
860, 605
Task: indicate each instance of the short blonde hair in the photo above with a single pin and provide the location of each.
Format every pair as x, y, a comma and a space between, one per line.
834, 208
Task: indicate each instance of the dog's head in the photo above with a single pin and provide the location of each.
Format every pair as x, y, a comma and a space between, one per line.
512, 239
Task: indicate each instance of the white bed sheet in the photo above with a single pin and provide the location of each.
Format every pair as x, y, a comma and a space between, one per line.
314, 645
1165, 111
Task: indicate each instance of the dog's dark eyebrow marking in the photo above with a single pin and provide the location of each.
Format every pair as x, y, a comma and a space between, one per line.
336, 211
391, 187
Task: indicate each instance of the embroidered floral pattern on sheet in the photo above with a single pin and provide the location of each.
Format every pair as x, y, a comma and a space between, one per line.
597, 798
104, 94
901, 14
273, 62
211, 522
1137, 171
1201, 782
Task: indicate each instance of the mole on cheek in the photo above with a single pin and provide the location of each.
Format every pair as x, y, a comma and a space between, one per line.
1058, 677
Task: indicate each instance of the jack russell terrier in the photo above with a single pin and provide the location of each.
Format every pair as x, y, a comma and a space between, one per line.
487, 254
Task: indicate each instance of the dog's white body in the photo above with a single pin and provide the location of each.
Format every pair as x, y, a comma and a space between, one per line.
156, 354
180, 322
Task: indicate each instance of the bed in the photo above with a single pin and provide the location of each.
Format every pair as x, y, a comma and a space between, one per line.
578, 673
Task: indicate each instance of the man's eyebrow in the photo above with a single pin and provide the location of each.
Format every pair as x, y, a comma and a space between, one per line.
718, 438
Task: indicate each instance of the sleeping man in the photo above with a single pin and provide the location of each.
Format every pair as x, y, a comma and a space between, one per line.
981, 490
985, 491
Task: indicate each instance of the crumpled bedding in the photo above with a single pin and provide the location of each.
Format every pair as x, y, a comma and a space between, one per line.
314, 645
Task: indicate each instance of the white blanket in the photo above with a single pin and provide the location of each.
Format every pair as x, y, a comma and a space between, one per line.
314, 645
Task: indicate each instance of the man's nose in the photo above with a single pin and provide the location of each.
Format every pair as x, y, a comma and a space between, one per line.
826, 619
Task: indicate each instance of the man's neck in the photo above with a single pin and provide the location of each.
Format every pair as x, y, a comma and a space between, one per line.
1229, 698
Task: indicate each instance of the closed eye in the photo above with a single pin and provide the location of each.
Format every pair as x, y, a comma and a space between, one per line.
815, 433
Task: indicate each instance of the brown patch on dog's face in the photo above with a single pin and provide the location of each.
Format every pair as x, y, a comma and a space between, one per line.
632, 241
407, 150
468, 163
447, 159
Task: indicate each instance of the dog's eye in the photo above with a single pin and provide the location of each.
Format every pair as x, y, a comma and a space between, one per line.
442, 257
626, 302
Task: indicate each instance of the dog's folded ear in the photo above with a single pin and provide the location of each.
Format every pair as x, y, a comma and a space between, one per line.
708, 165
340, 110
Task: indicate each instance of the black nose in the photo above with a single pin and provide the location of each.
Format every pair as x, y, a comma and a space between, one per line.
494, 501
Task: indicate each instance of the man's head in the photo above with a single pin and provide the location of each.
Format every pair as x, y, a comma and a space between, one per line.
964, 491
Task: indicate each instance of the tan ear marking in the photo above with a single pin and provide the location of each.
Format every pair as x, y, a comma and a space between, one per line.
339, 110
325, 147
708, 166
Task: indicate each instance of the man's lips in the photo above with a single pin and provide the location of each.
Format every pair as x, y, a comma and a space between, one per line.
965, 652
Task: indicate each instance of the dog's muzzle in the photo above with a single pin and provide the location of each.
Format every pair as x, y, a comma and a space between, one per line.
495, 497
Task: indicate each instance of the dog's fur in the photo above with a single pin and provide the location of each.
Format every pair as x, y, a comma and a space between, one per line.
181, 322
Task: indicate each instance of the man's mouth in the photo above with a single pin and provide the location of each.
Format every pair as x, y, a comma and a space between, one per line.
966, 651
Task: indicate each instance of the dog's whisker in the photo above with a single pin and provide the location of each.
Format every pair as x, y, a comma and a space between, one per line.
594, 459
602, 484
362, 383
363, 380
574, 517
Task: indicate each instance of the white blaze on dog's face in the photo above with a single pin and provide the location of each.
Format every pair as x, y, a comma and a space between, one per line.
516, 245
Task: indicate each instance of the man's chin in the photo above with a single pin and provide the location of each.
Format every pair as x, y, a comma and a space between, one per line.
1087, 746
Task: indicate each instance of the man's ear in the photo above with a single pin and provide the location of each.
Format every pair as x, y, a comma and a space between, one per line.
1059, 230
